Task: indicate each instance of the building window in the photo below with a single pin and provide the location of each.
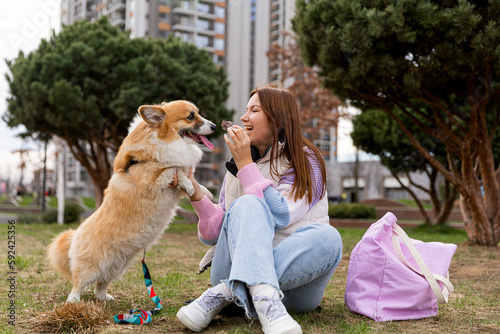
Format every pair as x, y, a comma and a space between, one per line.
164, 17
84, 177
203, 8
202, 24
185, 21
186, 5
218, 60
201, 41
163, 34
219, 44
220, 28
220, 12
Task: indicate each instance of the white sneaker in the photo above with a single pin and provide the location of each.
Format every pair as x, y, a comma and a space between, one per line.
199, 313
272, 313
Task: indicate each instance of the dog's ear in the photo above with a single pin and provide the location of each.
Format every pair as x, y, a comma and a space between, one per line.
152, 115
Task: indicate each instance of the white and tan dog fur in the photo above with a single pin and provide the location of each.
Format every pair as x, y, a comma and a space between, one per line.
138, 204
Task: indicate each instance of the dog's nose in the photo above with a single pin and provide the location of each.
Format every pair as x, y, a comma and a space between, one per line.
212, 126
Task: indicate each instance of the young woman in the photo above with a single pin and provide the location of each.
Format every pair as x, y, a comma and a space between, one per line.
276, 250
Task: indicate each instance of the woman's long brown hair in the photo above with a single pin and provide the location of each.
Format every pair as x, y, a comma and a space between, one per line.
282, 111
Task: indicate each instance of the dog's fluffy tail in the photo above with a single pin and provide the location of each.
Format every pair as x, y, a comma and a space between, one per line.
58, 253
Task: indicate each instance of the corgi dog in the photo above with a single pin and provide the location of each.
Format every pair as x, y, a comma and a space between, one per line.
163, 141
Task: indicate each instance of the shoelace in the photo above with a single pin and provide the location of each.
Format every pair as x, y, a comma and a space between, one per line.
211, 301
272, 308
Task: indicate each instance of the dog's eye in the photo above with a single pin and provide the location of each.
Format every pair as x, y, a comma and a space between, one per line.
191, 116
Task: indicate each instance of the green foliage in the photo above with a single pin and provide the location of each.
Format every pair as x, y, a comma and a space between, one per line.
86, 83
72, 213
352, 211
437, 63
28, 218
92, 77
384, 52
376, 133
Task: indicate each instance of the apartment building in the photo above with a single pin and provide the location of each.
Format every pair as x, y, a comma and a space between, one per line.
236, 34
253, 26
200, 22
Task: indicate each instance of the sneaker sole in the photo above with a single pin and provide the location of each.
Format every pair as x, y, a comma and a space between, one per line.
295, 330
290, 328
188, 322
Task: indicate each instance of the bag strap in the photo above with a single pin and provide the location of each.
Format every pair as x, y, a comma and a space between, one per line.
441, 296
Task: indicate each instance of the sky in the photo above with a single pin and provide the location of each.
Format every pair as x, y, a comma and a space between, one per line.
23, 24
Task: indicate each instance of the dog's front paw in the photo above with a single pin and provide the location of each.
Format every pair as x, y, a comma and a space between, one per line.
188, 187
73, 298
105, 297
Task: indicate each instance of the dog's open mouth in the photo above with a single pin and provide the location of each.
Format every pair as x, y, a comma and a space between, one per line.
200, 139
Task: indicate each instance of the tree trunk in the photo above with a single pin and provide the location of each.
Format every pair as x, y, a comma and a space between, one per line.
98, 167
433, 192
478, 232
481, 205
449, 200
481, 214
427, 220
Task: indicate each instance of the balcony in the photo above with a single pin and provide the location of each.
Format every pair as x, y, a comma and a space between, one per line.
192, 12
116, 6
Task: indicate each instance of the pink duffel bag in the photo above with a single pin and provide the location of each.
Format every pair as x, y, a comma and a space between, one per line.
393, 277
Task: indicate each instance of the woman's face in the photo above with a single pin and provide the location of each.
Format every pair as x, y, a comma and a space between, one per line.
257, 125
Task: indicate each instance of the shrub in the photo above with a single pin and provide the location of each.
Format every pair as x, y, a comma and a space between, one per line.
72, 212
28, 218
49, 217
352, 211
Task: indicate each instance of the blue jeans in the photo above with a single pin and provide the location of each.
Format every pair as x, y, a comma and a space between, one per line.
300, 266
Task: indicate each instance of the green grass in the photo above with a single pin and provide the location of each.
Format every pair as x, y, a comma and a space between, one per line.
186, 204
413, 204
26, 200
89, 201
173, 262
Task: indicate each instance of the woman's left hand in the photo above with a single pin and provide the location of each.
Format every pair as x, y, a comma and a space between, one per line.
240, 146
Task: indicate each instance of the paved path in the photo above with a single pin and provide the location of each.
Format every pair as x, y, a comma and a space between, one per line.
4, 218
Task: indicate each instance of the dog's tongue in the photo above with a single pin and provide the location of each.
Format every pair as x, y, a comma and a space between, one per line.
207, 142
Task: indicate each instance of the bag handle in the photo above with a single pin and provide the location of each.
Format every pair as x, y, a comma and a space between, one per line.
441, 296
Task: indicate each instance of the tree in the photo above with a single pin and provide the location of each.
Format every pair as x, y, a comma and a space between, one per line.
315, 102
376, 133
437, 63
85, 84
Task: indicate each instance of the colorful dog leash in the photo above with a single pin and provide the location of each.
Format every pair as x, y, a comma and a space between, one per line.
143, 317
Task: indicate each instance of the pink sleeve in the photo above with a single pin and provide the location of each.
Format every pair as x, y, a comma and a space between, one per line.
252, 180
211, 216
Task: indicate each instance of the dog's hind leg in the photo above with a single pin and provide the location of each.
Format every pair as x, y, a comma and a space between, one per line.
100, 291
82, 277
75, 294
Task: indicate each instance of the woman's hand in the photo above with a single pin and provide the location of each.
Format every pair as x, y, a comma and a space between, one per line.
240, 146
198, 193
